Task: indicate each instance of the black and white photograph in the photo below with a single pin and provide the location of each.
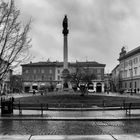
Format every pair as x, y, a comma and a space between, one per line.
69, 70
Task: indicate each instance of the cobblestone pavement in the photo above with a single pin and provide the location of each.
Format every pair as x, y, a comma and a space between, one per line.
34, 127
10, 127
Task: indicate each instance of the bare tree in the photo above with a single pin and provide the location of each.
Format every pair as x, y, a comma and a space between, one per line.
76, 77
84, 77
16, 83
14, 40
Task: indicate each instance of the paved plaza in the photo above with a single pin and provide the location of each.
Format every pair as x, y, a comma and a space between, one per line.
35, 127
72, 125
76, 137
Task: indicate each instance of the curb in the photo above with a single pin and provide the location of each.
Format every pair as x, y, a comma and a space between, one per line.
70, 118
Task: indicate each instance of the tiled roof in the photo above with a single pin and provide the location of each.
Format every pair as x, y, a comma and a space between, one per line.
72, 64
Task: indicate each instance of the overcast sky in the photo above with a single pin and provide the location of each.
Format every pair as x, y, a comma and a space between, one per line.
97, 28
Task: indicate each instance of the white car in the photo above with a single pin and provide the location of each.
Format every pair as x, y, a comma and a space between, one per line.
31, 91
91, 90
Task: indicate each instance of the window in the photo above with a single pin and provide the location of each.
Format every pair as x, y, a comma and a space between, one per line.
130, 72
125, 74
26, 71
50, 78
122, 64
121, 74
135, 84
126, 64
99, 77
120, 85
135, 60
98, 70
130, 62
42, 77
34, 77
130, 84
58, 77
34, 71
58, 71
135, 70
50, 71
125, 85
42, 70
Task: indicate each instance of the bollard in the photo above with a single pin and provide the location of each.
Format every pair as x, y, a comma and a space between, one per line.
130, 108
82, 105
103, 103
47, 106
41, 110
20, 111
123, 104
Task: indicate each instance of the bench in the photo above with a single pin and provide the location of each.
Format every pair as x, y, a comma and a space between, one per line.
129, 106
24, 106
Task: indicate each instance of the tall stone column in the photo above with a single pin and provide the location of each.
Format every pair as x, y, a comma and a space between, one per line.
65, 52
65, 71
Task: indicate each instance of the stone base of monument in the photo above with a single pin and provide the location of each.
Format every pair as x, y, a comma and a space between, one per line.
67, 88
66, 81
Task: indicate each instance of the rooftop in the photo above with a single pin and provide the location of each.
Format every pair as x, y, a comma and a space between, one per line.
60, 64
130, 53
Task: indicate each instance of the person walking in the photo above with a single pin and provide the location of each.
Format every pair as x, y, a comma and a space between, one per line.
33, 92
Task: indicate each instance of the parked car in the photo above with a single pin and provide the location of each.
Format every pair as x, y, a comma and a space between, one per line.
91, 88
31, 91
58, 87
129, 90
126, 91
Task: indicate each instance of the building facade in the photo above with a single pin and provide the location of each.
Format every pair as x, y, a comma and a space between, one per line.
130, 70
115, 78
36, 75
108, 82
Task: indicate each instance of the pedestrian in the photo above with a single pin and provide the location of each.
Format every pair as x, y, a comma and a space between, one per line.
13, 99
107, 90
33, 92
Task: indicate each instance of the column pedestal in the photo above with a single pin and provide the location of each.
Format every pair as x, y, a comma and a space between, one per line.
65, 77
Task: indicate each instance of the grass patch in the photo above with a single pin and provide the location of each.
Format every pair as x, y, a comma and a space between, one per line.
75, 100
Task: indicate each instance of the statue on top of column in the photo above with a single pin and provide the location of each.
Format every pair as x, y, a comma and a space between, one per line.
65, 25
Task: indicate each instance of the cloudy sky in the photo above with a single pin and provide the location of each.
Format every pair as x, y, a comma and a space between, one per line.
97, 28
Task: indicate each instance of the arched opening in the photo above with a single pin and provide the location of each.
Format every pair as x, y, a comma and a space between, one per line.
98, 87
26, 89
65, 85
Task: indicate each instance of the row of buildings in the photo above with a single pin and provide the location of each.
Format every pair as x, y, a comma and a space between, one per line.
126, 75
37, 75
